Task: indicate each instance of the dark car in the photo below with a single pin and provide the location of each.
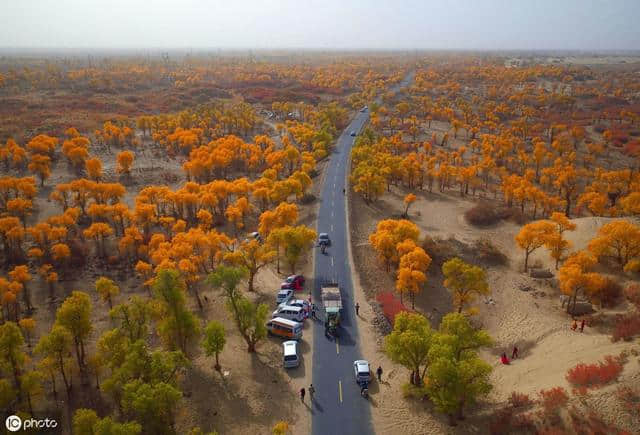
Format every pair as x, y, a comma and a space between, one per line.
323, 239
293, 282
353, 134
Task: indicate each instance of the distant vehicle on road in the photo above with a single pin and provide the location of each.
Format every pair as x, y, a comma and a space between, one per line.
353, 134
284, 296
293, 282
362, 371
364, 109
323, 239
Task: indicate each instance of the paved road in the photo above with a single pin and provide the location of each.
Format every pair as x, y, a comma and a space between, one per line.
338, 407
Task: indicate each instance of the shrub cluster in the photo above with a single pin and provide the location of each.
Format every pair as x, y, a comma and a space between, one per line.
484, 214
487, 253
520, 400
595, 375
610, 294
553, 399
632, 293
626, 327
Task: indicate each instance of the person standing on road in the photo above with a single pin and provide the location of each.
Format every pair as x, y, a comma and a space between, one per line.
302, 393
357, 309
379, 373
312, 391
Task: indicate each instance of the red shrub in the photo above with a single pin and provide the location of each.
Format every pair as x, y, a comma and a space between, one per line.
391, 305
523, 423
519, 400
592, 423
501, 421
632, 147
554, 399
595, 375
626, 327
630, 399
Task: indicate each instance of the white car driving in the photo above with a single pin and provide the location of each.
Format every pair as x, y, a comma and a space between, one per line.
362, 370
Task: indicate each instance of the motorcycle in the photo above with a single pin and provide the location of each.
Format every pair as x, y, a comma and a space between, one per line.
364, 389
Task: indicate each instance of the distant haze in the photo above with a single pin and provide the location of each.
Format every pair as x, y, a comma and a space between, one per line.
322, 24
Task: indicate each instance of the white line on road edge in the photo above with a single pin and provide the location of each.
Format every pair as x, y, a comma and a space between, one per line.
337, 347
340, 390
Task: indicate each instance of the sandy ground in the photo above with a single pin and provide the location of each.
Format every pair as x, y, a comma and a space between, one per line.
253, 391
533, 320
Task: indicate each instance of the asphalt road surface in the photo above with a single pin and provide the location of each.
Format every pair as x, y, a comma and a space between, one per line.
337, 407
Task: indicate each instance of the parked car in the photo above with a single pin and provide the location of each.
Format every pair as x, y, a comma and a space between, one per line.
290, 354
305, 305
284, 311
362, 371
285, 328
323, 239
293, 282
353, 134
284, 296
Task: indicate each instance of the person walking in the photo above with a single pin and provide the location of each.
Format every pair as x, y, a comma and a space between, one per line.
379, 373
302, 393
504, 358
582, 326
312, 391
514, 354
357, 309
574, 326
313, 311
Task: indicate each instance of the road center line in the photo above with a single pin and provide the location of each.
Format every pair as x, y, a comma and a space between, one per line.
331, 261
337, 347
331, 227
340, 390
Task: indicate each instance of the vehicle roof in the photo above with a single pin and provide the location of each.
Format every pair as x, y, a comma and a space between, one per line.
362, 363
285, 291
289, 347
289, 307
297, 301
285, 322
323, 235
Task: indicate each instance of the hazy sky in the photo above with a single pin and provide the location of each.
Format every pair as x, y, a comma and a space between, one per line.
326, 24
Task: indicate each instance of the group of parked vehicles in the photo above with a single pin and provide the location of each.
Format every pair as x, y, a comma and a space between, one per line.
290, 313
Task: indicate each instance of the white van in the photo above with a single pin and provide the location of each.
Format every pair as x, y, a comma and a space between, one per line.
290, 351
288, 312
285, 328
